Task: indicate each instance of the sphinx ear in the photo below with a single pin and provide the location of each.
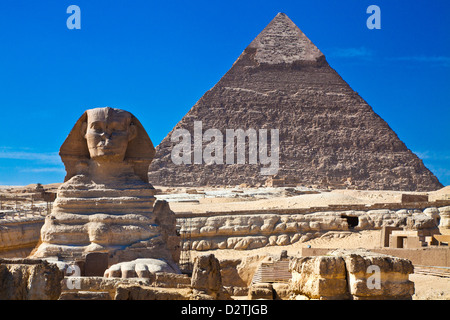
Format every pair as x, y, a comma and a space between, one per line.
83, 129
132, 132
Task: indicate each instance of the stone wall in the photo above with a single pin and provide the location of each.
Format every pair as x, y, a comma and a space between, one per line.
256, 229
19, 236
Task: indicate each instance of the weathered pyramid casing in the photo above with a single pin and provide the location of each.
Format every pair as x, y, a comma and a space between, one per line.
327, 132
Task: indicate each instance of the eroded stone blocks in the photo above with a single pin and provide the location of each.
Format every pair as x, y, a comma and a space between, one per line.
352, 275
29, 279
320, 277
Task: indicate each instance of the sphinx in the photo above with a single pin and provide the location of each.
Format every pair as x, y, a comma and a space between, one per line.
106, 203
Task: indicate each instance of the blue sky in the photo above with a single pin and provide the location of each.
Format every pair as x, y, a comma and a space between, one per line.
156, 59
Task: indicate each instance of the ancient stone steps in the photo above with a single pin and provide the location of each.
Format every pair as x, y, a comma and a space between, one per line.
275, 271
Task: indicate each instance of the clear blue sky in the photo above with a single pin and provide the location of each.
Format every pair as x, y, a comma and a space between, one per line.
157, 58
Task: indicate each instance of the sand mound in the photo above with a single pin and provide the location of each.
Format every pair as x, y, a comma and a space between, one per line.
441, 194
321, 199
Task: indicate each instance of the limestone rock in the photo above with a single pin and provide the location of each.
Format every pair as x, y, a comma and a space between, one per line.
261, 228
444, 225
321, 277
422, 222
352, 274
365, 268
85, 295
73, 284
100, 284
207, 280
29, 279
18, 237
281, 291
239, 272
138, 292
229, 273
261, 291
171, 280
433, 213
165, 218
206, 274
95, 217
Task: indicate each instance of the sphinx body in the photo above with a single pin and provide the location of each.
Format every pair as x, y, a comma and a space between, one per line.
106, 203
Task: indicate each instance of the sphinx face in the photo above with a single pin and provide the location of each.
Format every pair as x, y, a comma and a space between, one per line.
108, 132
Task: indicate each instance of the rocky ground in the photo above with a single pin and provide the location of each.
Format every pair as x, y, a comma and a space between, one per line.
240, 198
427, 287
230, 199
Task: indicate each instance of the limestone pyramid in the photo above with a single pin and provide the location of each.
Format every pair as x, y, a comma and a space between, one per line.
327, 132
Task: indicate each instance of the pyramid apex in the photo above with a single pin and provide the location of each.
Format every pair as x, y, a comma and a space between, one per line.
281, 41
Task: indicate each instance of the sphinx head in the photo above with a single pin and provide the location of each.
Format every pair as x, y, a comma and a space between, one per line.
107, 135
107, 132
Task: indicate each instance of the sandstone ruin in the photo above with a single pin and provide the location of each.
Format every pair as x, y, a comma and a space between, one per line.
345, 275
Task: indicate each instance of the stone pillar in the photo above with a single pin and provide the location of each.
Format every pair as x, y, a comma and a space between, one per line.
444, 224
206, 278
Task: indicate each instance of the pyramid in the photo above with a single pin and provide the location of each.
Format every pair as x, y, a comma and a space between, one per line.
327, 134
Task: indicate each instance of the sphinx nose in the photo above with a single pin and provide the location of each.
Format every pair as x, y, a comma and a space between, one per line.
106, 140
106, 135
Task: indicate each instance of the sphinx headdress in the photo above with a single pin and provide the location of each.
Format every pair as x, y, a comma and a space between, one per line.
74, 151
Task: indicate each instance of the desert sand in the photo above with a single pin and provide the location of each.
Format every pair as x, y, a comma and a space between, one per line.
236, 199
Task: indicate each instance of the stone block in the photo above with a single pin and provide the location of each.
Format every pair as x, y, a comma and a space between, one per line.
206, 274
413, 242
29, 279
138, 292
396, 242
444, 224
321, 277
375, 276
261, 291
95, 264
407, 198
85, 295
352, 274
386, 231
